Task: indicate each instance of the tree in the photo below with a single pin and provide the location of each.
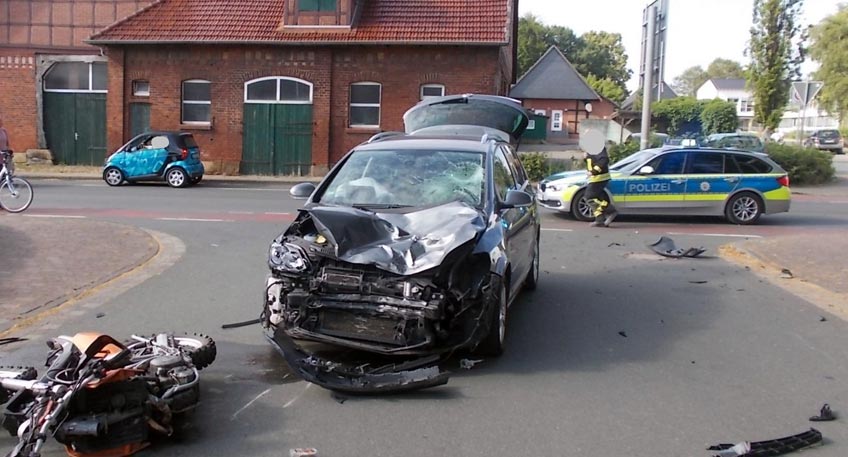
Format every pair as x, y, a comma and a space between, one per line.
690, 80
607, 88
600, 54
719, 116
603, 56
829, 49
775, 59
725, 69
680, 116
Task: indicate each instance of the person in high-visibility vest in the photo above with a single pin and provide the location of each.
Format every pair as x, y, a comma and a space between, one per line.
597, 166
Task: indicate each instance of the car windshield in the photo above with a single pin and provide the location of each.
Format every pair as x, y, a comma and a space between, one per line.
828, 134
631, 162
407, 178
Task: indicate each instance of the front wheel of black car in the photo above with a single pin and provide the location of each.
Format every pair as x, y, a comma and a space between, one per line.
493, 344
580, 208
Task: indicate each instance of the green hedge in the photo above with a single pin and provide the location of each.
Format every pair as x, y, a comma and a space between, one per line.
619, 151
805, 166
538, 166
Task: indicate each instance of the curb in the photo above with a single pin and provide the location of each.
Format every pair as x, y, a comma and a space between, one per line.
833, 302
216, 178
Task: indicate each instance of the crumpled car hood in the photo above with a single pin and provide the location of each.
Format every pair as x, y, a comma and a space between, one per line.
404, 244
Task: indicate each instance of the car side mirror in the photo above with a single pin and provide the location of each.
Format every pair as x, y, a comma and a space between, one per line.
517, 199
646, 170
302, 191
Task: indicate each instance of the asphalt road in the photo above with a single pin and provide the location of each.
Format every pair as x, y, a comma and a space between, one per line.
618, 353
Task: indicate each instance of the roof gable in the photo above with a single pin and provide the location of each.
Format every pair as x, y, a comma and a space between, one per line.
553, 77
260, 21
731, 84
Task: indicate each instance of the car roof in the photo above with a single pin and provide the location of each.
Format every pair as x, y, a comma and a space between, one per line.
425, 142
727, 135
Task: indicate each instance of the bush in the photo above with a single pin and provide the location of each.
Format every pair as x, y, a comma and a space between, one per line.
538, 166
719, 116
805, 166
619, 151
679, 115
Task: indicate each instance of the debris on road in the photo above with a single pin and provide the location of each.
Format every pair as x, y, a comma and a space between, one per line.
822, 319
99, 315
11, 340
825, 415
467, 364
240, 324
779, 446
786, 274
303, 452
697, 282
622, 333
665, 247
614, 244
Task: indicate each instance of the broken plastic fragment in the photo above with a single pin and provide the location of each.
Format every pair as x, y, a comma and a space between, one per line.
826, 414
467, 364
786, 274
779, 446
665, 247
303, 452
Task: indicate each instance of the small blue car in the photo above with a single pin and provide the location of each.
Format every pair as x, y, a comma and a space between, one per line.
154, 156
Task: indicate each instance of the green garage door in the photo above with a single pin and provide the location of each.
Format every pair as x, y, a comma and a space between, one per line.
277, 135
75, 112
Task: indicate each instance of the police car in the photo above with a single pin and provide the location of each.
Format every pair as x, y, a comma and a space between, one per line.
739, 185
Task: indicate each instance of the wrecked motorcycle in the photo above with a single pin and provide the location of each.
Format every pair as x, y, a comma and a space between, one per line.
100, 397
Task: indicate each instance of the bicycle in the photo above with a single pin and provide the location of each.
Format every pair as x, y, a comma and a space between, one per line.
15, 192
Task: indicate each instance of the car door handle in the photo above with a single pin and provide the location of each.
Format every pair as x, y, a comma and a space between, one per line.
678, 181
76, 136
731, 179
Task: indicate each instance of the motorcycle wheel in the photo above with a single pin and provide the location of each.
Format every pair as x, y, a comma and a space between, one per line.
199, 347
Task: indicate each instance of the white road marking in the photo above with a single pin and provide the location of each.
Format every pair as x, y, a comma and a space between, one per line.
189, 219
291, 402
239, 212
255, 189
233, 417
556, 230
277, 214
719, 235
55, 216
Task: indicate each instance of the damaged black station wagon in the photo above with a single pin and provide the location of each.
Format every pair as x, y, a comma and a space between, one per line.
411, 248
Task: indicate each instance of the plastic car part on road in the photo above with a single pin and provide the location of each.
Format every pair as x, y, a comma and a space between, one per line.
665, 247
779, 446
416, 374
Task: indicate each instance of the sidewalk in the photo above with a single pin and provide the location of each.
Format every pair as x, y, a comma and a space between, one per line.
47, 262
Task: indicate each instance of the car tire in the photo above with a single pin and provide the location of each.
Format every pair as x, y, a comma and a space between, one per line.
744, 208
177, 177
580, 208
492, 344
532, 280
196, 180
113, 176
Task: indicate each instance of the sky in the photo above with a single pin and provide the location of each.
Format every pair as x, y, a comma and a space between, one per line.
698, 30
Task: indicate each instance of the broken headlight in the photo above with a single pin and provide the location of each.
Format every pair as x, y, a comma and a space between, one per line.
287, 257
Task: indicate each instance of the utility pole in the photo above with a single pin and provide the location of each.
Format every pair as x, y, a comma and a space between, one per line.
647, 86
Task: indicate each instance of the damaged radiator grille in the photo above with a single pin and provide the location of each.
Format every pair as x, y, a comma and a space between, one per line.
361, 327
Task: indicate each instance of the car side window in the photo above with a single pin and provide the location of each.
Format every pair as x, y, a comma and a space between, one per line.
703, 163
751, 164
730, 165
669, 164
515, 163
502, 175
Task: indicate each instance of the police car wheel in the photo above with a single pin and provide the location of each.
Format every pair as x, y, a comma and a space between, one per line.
744, 209
580, 208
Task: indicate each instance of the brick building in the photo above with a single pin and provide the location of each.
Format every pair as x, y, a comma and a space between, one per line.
288, 87
554, 88
35, 35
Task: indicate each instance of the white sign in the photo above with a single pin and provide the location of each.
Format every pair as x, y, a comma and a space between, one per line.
803, 92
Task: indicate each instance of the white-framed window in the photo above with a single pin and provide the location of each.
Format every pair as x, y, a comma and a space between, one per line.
365, 100
432, 90
196, 102
556, 121
746, 106
76, 77
531, 125
141, 88
541, 112
278, 89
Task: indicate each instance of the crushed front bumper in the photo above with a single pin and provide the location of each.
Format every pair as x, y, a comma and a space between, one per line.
416, 374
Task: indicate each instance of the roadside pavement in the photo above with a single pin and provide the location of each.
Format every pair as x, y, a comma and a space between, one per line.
46, 262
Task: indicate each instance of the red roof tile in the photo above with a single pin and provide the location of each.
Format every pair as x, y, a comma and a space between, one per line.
381, 21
